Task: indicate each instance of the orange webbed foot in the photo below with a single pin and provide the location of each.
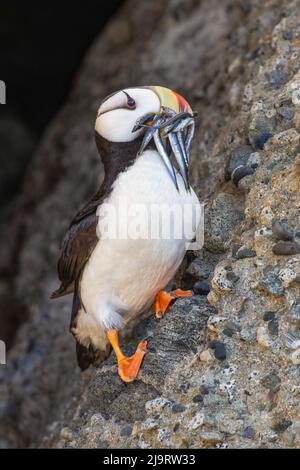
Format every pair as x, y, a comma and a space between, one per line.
163, 300
129, 367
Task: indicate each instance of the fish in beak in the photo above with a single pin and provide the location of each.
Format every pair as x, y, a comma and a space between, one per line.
175, 123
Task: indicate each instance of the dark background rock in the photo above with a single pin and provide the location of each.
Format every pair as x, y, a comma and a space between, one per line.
41, 47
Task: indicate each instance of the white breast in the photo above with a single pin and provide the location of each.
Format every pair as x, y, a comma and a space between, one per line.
123, 276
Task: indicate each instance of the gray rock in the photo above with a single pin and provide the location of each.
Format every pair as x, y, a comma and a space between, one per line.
293, 315
245, 253
286, 248
268, 316
282, 230
248, 432
239, 157
273, 327
178, 408
201, 288
260, 131
286, 112
272, 381
220, 221
219, 349
232, 277
272, 283
281, 426
240, 173
278, 77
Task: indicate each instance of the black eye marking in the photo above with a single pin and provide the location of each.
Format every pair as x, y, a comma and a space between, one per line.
131, 104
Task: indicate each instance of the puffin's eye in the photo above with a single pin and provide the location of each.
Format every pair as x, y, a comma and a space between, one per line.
131, 103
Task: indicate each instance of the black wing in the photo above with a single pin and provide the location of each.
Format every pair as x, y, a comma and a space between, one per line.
77, 246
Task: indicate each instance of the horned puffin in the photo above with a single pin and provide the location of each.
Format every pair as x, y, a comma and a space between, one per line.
143, 135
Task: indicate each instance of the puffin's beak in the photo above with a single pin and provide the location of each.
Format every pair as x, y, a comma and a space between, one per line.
174, 122
169, 99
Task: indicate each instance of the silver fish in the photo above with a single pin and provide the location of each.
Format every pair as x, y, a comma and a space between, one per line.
150, 133
174, 122
179, 153
165, 157
189, 138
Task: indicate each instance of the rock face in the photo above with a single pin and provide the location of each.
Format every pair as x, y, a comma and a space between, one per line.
223, 369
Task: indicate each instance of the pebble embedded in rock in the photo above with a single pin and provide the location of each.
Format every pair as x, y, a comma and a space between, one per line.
127, 431
269, 316
281, 426
234, 250
263, 337
197, 421
211, 437
286, 248
296, 96
157, 405
197, 399
293, 314
219, 349
206, 356
248, 432
247, 334
291, 340
282, 230
271, 381
241, 172
246, 253
231, 328
201, 288
67, 434
260, 131
289, 137
228, 332
232, 277
213, 298
254, 160
266, 180
286, 112
239, 156
295, 357
273, 327
287, 35
271, 283
204, 389
178, 408
220, 283
262, 138
278, 77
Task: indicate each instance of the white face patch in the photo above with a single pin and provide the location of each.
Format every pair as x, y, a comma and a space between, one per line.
116, 125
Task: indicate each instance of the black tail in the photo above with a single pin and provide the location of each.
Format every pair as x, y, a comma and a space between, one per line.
62, 290
87, 356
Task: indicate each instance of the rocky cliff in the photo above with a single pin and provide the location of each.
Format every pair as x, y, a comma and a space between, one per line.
223, 368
